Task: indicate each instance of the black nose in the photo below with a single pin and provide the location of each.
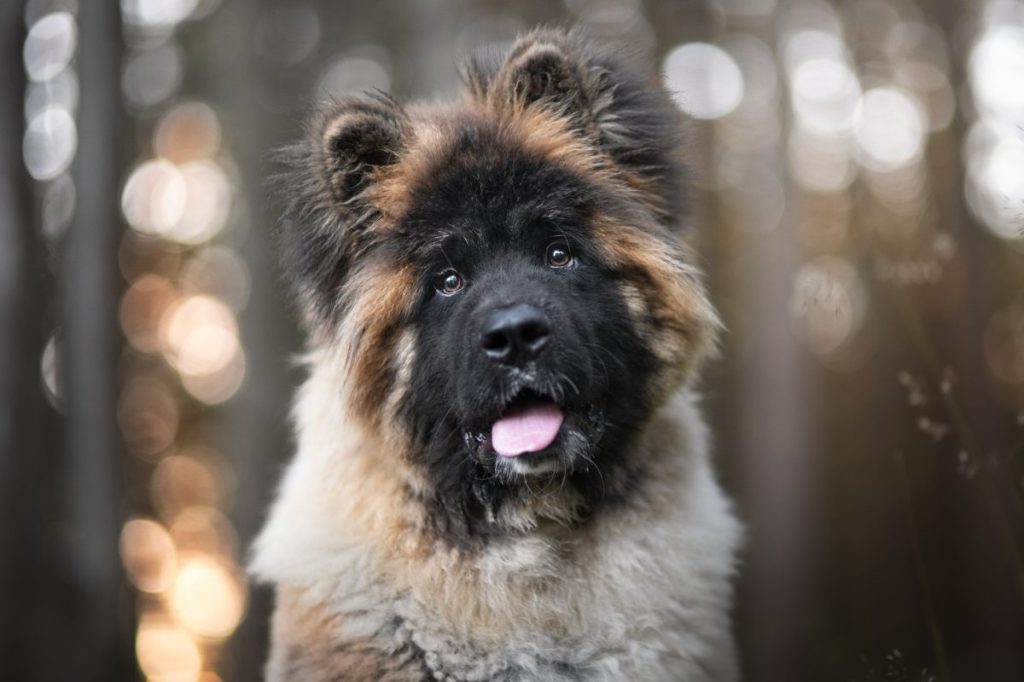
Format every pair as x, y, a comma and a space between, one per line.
515, 334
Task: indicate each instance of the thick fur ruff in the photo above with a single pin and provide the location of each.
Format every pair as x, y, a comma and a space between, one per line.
402, 546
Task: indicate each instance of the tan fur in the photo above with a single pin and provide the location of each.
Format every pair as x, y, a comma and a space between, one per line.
344, 533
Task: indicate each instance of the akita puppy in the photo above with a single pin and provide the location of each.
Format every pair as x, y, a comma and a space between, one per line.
501, 473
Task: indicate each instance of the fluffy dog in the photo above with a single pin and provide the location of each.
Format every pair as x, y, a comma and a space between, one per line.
501, 471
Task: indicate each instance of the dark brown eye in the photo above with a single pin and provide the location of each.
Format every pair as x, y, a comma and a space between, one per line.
448, 282
559, 255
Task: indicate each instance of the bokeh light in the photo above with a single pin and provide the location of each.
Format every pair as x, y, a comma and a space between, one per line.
154, 197
142, 307
994, 186
995, 66
148, 555
50, 371
50, 143
704, 80
183, 481
61, 92
188, 132
824, 93
148, 414
156, 14
50, 45
206, 597
58, 206
152, 75
166, 652
199, 336
828, 304
890, 129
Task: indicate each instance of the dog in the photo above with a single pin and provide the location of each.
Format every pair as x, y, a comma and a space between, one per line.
502, 471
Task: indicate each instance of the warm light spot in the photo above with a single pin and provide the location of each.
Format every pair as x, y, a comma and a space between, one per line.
154, 198
220, 386
50, 45
188, 132
187, 204
703, 79
204, 530
207, 598
166, 653
200, 336
148, 555
207, 202
142, 307
148, 415
180, 482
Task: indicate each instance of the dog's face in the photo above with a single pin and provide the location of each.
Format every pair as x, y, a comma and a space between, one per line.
502, 275
524, 343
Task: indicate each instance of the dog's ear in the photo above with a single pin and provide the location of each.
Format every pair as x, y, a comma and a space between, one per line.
601, 96
356, 138
327, 187
544, 68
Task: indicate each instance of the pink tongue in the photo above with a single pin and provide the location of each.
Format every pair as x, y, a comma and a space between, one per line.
531, 430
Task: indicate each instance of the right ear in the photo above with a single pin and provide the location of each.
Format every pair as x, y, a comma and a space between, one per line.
325, 186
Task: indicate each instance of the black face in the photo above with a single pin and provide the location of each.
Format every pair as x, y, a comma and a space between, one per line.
527, 365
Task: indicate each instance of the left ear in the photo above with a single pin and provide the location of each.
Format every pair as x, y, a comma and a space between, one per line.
544, 68
602, 98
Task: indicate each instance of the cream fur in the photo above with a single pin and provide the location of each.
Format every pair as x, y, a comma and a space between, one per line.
640, 593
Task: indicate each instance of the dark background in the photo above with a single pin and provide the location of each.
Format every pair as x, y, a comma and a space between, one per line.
859, 211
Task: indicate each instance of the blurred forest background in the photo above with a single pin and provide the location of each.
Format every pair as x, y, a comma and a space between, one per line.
859, 211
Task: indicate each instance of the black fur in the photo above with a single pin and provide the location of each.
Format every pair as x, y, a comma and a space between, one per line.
497, 209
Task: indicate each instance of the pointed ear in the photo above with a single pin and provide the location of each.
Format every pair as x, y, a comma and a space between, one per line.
605, 100
545, 68
327, 191
356, 137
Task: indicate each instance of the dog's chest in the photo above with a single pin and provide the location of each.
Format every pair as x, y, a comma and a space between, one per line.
533, 610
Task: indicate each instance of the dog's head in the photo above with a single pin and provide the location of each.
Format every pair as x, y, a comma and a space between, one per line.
502, 276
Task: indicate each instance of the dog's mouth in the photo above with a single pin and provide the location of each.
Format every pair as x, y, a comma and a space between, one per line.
530, 424
536, 434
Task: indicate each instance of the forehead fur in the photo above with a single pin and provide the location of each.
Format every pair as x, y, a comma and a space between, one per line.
470, 136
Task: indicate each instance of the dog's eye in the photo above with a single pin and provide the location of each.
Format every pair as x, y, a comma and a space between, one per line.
559, 255
448, 282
